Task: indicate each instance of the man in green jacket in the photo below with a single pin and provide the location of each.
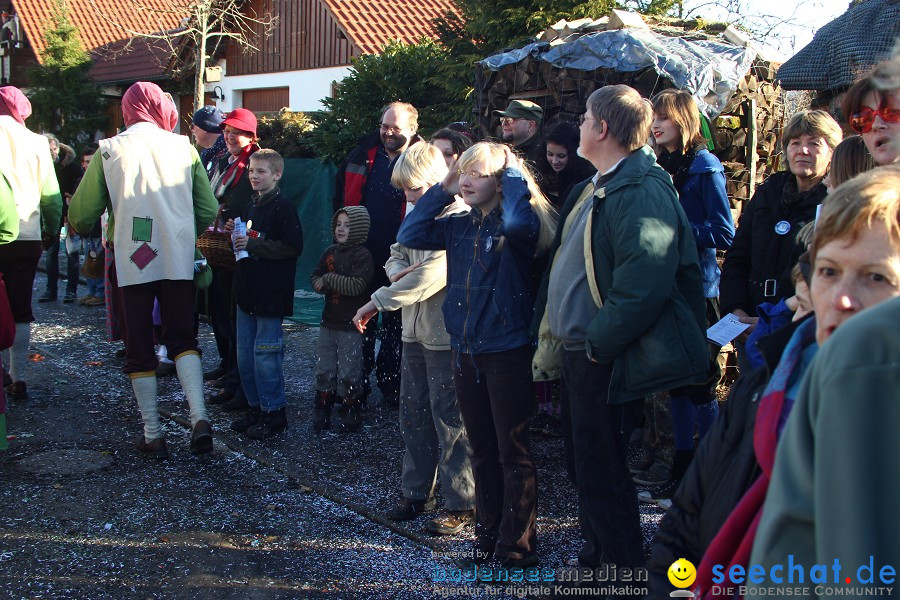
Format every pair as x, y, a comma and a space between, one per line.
627, 309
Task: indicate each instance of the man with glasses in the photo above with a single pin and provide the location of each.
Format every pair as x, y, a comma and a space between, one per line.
364, 179
521, 126
630, 325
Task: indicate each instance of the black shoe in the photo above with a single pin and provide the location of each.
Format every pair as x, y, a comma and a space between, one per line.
508, 562
218, 383
17, 391
164, 369
410, 509
120, 353
351, 417
323, 403
269, 424
214, 374
154, 448
663, 491
250, 418
238, 402
476, 556
48, 297
201, 438
69, 298
222, 397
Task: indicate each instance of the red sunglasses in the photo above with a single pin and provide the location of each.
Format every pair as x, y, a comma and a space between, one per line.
862, 121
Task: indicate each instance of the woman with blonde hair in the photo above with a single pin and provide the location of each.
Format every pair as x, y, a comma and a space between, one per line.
430, 421
488, 312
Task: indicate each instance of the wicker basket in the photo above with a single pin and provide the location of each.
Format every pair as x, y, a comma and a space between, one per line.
215, 245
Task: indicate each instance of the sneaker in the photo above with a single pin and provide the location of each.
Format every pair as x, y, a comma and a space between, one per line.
94, 301
69, 298
250, 418
450, 522
269, 424
664, 491
408, 509
17, 391
47, 297
665, 503
640, 463
657, 474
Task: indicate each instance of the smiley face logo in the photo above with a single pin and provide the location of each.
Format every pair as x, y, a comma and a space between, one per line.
682, 573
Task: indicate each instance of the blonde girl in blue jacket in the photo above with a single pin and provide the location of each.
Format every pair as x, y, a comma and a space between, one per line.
488, 312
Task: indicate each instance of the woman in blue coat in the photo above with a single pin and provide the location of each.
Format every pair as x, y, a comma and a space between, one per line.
699, 179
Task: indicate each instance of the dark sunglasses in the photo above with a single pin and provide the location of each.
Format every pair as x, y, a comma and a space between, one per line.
862, 121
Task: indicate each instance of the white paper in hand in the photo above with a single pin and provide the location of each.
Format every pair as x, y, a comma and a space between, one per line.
726, 330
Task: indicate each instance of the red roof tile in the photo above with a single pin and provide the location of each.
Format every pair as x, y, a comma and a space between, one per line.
369, 25
142, 60
99, 22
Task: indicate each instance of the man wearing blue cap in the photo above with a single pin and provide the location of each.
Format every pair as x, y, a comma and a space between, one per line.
206, 127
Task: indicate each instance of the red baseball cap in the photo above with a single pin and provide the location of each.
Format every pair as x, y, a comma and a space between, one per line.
241, 118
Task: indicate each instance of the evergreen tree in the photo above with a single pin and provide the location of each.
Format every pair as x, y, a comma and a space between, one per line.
64, 98
401, 72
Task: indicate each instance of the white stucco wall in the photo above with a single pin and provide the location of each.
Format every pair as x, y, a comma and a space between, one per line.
307, 88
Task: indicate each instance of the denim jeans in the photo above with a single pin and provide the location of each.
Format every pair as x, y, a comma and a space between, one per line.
95, 287
260, 354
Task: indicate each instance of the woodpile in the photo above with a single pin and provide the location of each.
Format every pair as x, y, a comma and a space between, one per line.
746, 134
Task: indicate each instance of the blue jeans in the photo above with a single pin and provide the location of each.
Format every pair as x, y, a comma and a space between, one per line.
260, 354
95, 287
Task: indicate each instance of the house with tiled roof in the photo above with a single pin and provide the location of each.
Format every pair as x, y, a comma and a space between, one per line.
309, 50
295, 65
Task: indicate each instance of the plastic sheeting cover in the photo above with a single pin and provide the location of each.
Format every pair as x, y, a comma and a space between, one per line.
710, 70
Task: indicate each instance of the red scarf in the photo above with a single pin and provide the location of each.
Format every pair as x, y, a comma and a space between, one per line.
235, 170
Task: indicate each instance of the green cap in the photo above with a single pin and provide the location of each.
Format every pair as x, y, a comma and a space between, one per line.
522, 109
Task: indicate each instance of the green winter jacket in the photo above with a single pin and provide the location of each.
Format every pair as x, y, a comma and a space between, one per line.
651, 326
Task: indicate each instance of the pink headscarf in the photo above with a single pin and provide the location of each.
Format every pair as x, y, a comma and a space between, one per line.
146, 102
14, 103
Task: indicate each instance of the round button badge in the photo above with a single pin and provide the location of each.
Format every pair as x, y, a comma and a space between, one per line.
782, 227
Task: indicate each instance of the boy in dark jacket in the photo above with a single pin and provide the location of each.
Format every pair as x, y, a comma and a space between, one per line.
264, 294
343, 275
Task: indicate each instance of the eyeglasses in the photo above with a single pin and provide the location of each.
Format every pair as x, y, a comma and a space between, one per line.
475, 174
862, 121
389, 129
583, 118
509, 120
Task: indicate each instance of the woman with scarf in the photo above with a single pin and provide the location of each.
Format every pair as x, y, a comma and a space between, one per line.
159, 199
855, 264
30, 210
757, 267
699, 179
231, 186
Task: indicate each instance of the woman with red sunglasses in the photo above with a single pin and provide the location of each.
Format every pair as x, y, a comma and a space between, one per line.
875, 115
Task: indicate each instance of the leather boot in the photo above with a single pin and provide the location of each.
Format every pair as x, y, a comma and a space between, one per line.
323, 403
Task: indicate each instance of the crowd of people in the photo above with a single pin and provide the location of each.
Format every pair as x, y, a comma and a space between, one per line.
559, 283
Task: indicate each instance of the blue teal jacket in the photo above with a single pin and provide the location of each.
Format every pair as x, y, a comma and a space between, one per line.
488, 307
705, 203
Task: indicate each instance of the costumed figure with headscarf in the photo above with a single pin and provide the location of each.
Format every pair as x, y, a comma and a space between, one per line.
30, 209
157, 195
